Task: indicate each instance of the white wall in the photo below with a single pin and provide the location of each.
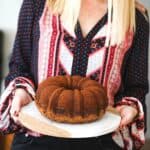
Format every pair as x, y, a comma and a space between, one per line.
9, 10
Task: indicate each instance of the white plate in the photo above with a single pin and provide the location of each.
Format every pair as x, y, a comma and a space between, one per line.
31, 118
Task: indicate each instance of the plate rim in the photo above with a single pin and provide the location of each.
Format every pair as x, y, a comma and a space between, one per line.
65, 133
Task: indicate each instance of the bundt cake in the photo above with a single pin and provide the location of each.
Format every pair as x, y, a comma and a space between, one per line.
71, 99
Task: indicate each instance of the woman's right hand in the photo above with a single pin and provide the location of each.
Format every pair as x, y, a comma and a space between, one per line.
21, 98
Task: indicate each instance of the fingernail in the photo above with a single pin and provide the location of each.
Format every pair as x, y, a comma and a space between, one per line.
16, 113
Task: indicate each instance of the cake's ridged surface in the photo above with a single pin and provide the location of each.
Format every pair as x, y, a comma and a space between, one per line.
75, 81
77, 103
100, 95
53, 99
71, 99
69, 81
42, 96
65, 101
90, 104
82, 81
87, 83
57, 80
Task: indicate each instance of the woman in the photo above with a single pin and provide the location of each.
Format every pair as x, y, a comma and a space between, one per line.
112, 35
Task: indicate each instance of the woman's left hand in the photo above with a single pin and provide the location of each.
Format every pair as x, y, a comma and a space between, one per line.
128, 113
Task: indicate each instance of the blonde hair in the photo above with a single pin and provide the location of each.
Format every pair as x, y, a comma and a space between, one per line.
121, 16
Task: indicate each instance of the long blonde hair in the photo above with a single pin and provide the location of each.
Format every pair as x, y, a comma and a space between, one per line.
121, 16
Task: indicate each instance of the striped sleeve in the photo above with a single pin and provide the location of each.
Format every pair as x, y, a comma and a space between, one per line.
135, 86
19, 75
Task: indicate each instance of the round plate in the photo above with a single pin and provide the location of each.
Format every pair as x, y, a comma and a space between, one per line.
31, 118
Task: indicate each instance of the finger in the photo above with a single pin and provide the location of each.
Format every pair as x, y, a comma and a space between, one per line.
125, 121
16, 120
32, 133
28, 100
15, 107
120, 108
15, 116
14, 111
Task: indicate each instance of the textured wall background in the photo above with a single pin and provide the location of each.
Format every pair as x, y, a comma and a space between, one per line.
9, 10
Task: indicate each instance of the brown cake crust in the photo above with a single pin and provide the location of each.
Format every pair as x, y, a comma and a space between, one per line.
71, 99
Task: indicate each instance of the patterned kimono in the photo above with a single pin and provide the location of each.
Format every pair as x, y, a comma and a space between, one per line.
44, 47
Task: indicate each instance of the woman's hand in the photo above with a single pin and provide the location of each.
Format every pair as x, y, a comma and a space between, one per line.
128, 113
20, 99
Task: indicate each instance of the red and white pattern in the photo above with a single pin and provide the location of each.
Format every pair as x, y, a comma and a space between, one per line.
65, 58
113, 73
47, 44
95, 61
44, 22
